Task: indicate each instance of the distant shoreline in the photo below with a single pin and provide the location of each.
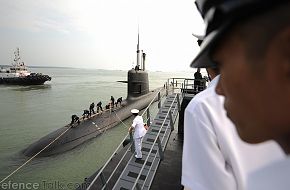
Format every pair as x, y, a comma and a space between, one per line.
58, 67
42, 67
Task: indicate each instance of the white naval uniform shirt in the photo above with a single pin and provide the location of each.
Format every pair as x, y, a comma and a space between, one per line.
138, 125
275, 176
214, 157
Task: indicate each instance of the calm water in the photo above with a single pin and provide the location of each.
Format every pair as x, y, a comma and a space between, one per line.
31, 112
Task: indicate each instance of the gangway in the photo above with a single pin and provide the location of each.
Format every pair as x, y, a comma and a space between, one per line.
122, 170
138, 174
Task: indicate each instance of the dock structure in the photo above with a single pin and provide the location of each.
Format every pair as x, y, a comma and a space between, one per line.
160, 166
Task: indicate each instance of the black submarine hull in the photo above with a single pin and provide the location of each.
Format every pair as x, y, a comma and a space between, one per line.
89, 128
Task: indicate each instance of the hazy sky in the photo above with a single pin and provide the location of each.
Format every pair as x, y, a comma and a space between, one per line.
99, 34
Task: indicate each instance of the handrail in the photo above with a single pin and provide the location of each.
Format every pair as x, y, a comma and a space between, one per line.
102, 169
162, 150
188, 79
109, 178
151, 102
157, 136
160, 143
176, 83
105, 185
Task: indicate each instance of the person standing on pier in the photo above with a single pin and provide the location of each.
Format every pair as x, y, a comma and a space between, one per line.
139, 132
197, 80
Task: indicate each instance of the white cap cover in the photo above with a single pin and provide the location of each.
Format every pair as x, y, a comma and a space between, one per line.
134, 111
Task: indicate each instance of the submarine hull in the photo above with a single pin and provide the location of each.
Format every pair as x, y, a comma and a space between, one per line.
90, 127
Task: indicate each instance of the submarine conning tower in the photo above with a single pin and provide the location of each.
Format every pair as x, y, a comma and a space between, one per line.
138, 83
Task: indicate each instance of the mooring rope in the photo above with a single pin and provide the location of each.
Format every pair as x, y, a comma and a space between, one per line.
34, 156
121, 120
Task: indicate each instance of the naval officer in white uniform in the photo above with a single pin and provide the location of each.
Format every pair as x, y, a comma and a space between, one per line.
248, 41
139, 132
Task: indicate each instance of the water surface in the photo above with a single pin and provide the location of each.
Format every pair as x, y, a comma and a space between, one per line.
28, 113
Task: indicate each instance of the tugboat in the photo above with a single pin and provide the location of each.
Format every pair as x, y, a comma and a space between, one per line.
18, 74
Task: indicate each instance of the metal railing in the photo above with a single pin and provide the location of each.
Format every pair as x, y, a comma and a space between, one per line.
184, 84
100, 173
188, 85
159, 142
176, 83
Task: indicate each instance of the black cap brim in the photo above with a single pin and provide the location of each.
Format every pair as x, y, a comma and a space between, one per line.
203, 58
219, 16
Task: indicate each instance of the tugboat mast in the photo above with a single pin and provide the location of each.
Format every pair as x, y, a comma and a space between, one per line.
17, 59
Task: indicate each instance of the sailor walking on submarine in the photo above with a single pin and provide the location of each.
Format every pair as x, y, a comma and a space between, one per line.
139, 132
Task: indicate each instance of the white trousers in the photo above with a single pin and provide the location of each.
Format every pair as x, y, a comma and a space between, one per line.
138, 147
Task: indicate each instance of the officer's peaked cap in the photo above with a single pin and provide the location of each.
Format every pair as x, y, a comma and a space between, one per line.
219, 15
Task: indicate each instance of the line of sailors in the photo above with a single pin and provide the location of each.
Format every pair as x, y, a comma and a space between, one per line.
88, 113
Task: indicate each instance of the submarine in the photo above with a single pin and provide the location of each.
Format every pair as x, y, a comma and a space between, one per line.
70, 136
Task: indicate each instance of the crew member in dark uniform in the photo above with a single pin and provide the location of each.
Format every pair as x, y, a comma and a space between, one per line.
119, 100
112, 101
92, 108
197, 80
86, 114
99, 106
74, 119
